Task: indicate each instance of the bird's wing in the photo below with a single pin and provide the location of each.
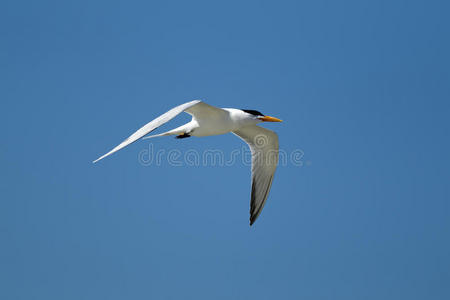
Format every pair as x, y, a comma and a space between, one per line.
204, 111
263, 144
149, 127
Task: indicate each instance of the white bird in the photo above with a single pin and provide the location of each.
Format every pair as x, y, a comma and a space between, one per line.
209, 120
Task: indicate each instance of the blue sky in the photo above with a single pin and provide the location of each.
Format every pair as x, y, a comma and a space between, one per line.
363, 88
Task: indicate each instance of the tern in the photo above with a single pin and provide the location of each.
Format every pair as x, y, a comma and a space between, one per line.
208, 120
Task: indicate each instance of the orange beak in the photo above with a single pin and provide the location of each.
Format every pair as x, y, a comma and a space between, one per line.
269, 119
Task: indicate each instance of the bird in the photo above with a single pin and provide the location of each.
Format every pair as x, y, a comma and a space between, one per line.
208, 120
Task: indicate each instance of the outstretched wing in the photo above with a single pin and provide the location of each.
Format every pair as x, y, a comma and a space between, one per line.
203, 111
263, 144
149, 127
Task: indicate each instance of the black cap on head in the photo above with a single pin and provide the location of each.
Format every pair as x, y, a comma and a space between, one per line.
253, 112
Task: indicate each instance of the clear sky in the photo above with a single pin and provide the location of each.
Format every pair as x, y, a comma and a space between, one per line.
363, 88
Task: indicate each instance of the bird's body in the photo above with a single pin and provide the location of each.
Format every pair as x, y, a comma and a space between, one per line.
230, 120
208, 120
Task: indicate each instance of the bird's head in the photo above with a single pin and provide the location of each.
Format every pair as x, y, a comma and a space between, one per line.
256, 115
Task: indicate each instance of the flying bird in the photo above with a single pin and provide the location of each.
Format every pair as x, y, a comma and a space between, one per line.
208, 120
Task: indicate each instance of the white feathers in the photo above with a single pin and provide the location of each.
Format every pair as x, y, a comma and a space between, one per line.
208, 120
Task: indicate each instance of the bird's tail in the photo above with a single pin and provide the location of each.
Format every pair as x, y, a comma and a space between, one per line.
157, 135
177, 131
